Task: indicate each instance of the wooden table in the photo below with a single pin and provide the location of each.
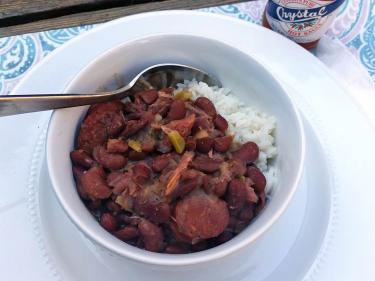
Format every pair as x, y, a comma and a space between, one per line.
25, 16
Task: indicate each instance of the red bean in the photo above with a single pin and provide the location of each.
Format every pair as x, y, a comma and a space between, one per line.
261, 203
117, 146
127, 233
204, 145
258, 178
186, 186
232, 222
237, 168
81, 158
110, 161
164, 145
114, 124
108, 221
248, 152
133, 126
217, 134
178, 236
136, 156
141, 173
215, 185
113, 207
206, 105
152, 236
236, 194
205, 164
251, 196
161, 106
147, 206
147, 116
212, 213
191, 143
220, 123
149, 96
202, 123
177, 110
222, 144
175, 248
131, 110
160, 162
121, 181
94, 184
246, 214
225, 236
77, 173
241, 225
200, 246
95, 205
220, 187
148, 145
139, 103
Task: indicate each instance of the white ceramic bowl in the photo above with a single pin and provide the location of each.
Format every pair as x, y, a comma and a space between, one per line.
249, 81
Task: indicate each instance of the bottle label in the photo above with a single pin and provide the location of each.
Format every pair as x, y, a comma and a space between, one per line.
303, 21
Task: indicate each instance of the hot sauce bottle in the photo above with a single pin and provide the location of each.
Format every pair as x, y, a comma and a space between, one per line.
303, 21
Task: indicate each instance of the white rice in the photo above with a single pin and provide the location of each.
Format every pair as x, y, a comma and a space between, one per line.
245, 122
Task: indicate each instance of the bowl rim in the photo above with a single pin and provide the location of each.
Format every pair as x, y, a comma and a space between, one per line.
220, 251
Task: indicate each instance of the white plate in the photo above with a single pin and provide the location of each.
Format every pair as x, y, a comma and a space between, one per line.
344, 252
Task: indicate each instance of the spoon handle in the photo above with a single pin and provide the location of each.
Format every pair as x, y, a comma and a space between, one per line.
17, 104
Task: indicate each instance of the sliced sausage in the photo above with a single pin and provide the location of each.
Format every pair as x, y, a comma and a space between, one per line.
103, 121
201, 216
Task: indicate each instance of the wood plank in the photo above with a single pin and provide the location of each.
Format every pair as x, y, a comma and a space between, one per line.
107, 14
17, 8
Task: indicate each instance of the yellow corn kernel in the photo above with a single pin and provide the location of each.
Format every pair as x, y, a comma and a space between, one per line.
177, 141
135, 145
184, 95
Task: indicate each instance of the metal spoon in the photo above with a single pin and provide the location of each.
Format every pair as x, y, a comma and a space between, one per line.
160, 75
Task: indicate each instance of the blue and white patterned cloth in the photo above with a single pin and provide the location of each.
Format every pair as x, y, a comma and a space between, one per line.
354, 26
